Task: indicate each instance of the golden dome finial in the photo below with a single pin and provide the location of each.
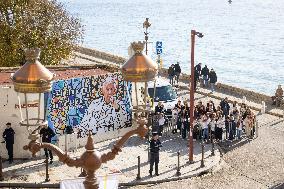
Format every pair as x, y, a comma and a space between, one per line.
138, 47
32, 54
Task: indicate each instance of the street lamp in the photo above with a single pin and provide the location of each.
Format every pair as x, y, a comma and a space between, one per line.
140, 69
32, 80
200, 35
146, 25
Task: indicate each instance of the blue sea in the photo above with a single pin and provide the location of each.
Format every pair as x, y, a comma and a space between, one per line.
243, 40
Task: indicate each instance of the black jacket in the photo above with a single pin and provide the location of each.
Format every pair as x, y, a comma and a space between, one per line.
159, 109
171, 71
205, 71
8, 135
212, 77
155, 146
177, 68
46, 134
197, 67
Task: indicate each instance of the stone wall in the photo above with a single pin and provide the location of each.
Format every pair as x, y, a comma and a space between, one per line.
102, 55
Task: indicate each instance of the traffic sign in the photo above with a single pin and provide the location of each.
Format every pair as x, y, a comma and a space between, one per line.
159, 47
159, 51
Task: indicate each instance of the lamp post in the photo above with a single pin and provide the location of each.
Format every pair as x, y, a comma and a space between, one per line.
146, 25
140, 69
200, 35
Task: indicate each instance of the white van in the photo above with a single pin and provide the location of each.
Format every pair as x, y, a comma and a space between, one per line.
164, 93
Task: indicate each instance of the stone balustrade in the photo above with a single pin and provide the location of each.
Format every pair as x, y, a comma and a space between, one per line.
102, 55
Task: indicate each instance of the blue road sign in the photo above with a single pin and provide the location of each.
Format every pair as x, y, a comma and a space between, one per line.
159, 47
159, 51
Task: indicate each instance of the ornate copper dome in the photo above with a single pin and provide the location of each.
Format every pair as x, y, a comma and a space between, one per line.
32, 77
140, 67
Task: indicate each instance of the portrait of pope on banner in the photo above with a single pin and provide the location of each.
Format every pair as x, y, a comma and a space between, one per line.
105, 113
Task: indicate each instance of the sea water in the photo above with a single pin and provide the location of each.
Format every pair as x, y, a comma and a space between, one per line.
243, 40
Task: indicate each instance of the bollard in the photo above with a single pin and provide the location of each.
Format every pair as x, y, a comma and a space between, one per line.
226, 134
213, 149
256, 128
46, 170
138, 174
263, 108
1, 171
178, 167
202, 157
210, 135
244, 100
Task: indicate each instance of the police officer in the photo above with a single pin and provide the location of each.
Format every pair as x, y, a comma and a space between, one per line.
155, 145
8, 135
47, 133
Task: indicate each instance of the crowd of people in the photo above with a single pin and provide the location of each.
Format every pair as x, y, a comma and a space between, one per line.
220, 122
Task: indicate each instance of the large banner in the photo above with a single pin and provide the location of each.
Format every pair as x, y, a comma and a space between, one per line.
105, 182
95, 103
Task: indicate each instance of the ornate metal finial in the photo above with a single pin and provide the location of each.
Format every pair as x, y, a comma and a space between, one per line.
90, 145
32, 54
146, 23
138, 47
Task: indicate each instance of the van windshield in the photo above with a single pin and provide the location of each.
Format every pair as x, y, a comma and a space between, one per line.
164, 93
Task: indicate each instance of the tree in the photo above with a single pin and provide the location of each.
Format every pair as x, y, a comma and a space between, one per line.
37, 23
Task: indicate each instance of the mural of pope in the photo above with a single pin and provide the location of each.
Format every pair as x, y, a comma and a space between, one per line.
105, 113
100, 104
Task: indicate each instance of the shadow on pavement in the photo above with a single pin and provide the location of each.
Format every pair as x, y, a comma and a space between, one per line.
278, 186
231, 145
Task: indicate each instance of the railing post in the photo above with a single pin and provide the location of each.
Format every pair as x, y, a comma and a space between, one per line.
46, 170
202, 155
1, 171
178, 167
138, 174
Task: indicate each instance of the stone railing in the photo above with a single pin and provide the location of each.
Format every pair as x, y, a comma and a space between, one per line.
102, 55
257, 97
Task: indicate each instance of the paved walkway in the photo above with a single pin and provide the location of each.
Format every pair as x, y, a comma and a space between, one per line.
125, 163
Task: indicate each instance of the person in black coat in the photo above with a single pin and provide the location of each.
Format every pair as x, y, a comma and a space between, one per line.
205, 76
196, 78
155, 145
171, 73
198, 69
46, 134
212, 79
159, 108
177, 71
8, 136
225, 107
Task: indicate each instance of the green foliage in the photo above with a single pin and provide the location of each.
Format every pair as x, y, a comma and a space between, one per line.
36, 23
